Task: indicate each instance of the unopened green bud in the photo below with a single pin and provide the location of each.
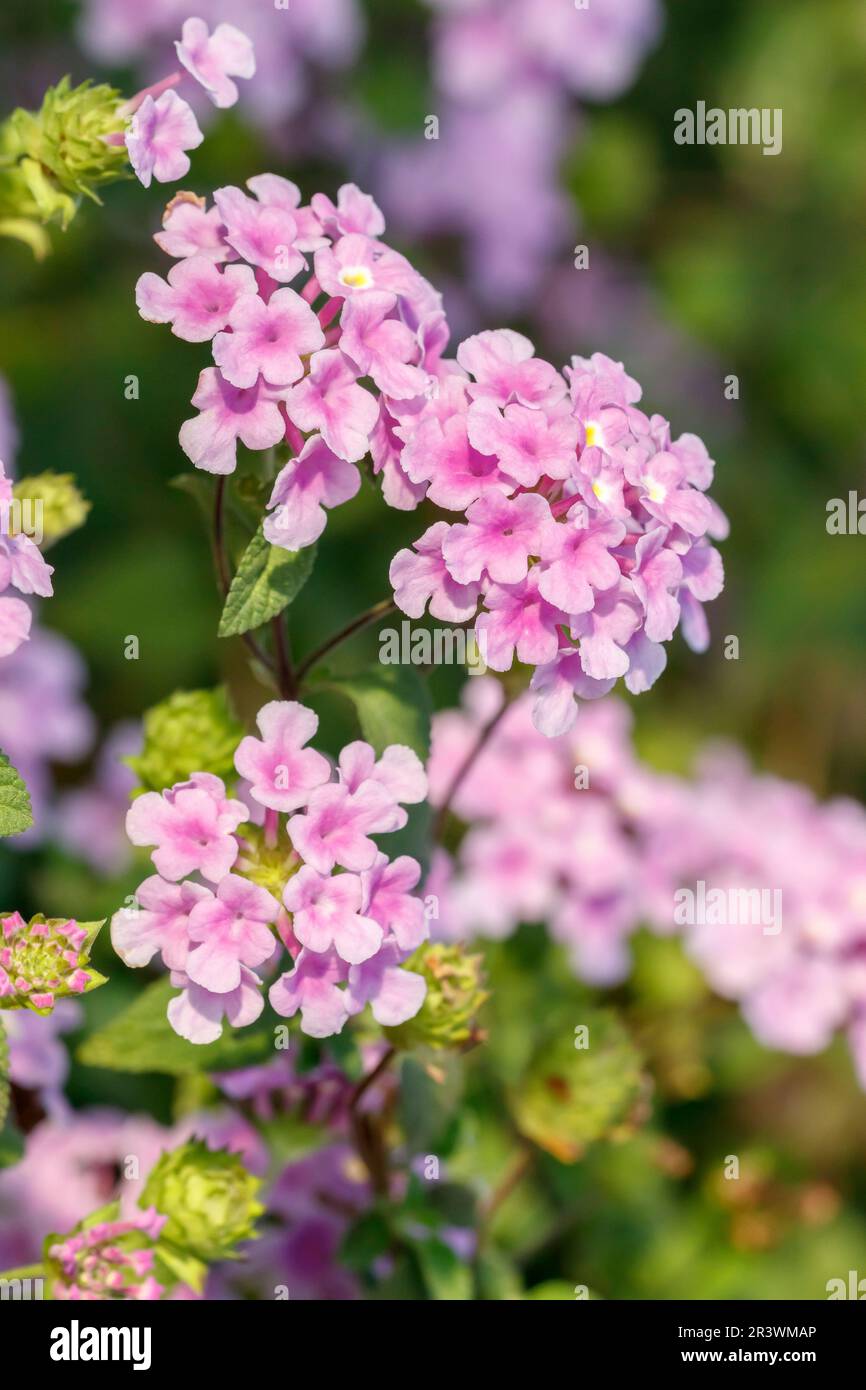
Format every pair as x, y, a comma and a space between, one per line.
455, 994
66, 137
191, 731
50, 506
51, 158
208, 1197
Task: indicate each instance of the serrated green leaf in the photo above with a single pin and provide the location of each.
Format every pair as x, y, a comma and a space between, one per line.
392, 704
16, 813
268, 578
141, 1039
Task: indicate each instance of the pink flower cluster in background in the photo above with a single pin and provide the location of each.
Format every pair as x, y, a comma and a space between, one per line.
347, 915
505, 75
633, 847
291, 43
586, 530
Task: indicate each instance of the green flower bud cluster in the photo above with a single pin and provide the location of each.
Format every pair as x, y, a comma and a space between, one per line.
55, 502
191, 731
455, 994
208, 1198
52, 158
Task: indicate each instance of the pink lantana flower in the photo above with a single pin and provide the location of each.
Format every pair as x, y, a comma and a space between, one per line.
191, 228
23, 568
214, 59
605, 631
354, 211
159, 134
227, 414
197, 299
519, 621
159, 921
192, 826
420, 574
337, 825
499, 536
267, 339
528, 444
656, 577
316, 479
228, 931
506, 370
197, 1014
327, 912
356, 264
390, 899
381, 346
265, 234
393, 993
580, 563
281, 771
399, 770
441, 454
330, 402
314, 988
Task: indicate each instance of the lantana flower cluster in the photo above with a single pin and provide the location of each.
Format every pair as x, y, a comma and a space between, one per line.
229, 895
250, 271
578, 833
586, 529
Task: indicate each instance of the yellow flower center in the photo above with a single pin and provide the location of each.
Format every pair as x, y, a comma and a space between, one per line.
356, 277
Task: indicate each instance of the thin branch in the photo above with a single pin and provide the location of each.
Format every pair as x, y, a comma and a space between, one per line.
466, 767
514, 1175
285, 670
379, 610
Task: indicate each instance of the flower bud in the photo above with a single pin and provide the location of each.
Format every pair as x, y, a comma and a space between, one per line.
191, 731
43, 961
66, 138
208, 1198
51, 506
106, 1257
455, 994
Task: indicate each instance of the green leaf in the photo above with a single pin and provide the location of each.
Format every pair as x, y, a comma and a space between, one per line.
16, 813
392, 704
445, 1276
268, 578
580, 1089
141, 1039
365, 1241
427, 1105
497, 1277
